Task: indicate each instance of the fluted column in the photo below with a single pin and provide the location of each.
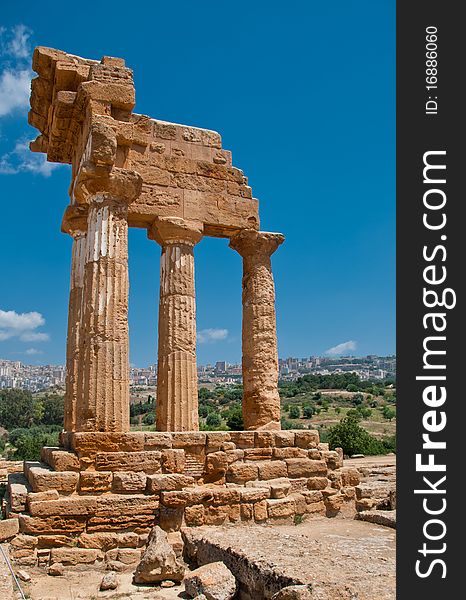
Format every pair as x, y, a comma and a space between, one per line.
261, 401
177, 401
103, 385
77, 229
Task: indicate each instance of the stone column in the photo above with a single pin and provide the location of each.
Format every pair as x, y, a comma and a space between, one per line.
103, 386
261, 402
77, 229
177, 401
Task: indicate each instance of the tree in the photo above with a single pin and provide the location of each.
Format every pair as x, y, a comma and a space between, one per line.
350, 436
234, 418
53, 409
388, 413
294, 412
308, 411
149, 419
16, 408
213, 420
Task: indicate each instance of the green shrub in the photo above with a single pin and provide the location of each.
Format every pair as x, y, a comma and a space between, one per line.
234, 418
294, 412
353, 438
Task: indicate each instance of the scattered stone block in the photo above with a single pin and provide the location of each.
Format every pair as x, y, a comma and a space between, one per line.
109, 581
8, 528
56, 570
214, 580
294, 592
159, 562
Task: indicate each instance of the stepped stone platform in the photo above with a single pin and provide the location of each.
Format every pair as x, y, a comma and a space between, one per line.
99, 492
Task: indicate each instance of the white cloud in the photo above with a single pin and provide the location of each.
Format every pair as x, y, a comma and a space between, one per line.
22, 326
211, 335
342, 348
33, 351
18, 42
34, 337
22, 160
15, 86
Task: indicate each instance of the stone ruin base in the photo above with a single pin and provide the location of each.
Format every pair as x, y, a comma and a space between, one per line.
97, 496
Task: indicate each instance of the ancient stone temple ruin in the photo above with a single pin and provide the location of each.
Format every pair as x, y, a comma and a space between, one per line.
105, 487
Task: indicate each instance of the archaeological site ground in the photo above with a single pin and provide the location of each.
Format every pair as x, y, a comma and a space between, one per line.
250, 514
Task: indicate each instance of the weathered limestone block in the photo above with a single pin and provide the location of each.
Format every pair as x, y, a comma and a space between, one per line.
260, 511
350, 476
282, 453
138, 523
298, 485
51, 525
70, 505
156, 440
108, 541
95, 481
332, 459
284, 439
314, 453
167, 482
55, 541
333, 504
272, 469
115, 505
8, 528
216, 439
261, 402
90, 443
59, 460
234, 455
126, 556
264, 439
18, 489
307, 439
75, 556
317, 483
43, 479
129, 482
214, 580
242, 472
258, 453
177, 401
278, 488
246, 511
216, 466
24, 542
304, 467
250, 494
171, 519
41, 496
194, 515
188, 439
280, 508
173, 461
243, 439
159, 562
217, 515
148, 461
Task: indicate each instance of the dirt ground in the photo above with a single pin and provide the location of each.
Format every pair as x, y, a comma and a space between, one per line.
339, 553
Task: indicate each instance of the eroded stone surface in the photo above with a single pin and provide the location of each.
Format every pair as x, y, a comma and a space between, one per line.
159, 562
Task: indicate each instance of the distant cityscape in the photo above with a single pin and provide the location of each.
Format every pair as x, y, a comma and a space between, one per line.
35, 378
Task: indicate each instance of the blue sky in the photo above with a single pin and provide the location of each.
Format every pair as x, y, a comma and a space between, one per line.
303, 94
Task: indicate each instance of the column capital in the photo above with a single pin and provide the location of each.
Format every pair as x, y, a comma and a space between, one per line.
97, 184
249, 242
74, 221
174, 230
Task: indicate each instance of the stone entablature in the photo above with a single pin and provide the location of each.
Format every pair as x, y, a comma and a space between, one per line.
117, 486
130, 170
